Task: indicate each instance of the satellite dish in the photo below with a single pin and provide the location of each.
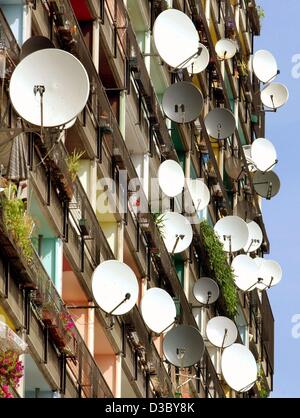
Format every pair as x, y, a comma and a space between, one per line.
34, 44
115, 287
269, 273
158, 310
239, 367
199, 192
221, 331
275, 95
226, 49
255, 237
176, 38
220, 123
233, 233
206, 291
177, 232
183, 346
65, 82
266, 184
182, 102
234, 167
263, 154
201, 62
245, 272
171, 178
265, 66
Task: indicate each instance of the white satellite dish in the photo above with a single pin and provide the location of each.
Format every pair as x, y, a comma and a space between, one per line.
115, 287
221, 331
158, 310
171, 178
206, 291
56, 76
269, 273
182, 102
239, 367
199, 192
275, 95
245, 272
255, 237
176, 38
177, 232
265, 66
201, 62
263, 154
232, 232
226, 49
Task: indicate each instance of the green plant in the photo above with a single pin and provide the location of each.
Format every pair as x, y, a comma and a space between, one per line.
159, 219
263, 390
17, 221
220, 267
73, 163
261, 13
11, 372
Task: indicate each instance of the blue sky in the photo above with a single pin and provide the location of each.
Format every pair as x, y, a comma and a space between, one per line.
280, 35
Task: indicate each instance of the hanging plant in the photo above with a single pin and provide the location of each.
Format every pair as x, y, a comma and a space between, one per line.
159, 219
220, 268
17, 221
11, 372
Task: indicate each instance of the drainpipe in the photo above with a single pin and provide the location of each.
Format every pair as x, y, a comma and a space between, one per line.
96, 43
27, 22
122, 109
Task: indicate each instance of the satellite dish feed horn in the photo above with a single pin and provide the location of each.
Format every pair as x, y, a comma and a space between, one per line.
127, 297
40, 89
224, 338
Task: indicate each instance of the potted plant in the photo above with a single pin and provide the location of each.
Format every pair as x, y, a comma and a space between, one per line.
73, 163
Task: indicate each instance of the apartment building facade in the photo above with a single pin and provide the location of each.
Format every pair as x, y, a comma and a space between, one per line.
46, 291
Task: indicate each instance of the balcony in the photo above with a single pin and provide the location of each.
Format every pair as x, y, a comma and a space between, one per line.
44, 309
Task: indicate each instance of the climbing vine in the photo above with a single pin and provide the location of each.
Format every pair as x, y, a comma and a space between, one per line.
220, 267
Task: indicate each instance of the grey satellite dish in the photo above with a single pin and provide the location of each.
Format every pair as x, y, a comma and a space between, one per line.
220, 123
206, 291
183, 346
34, 44
266, 184
54, 77
221, 331
234, 167
275, 95
182, 102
